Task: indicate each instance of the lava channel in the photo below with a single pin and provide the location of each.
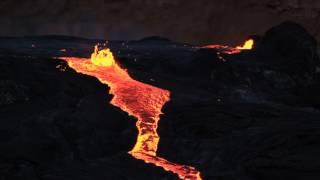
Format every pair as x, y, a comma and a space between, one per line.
140, 100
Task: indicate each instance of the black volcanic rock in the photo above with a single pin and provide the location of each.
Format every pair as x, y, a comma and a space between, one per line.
297, 48
58, 124
259, 122
247, 116
154, 39
12, 92
205, 62
282, 67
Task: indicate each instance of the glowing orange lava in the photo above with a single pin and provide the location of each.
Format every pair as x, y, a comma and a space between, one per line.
247, 45
232, 50
140, 100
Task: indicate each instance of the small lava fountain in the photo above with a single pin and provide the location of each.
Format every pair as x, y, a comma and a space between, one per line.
140, 100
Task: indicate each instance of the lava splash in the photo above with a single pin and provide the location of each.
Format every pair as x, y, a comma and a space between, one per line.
140, 100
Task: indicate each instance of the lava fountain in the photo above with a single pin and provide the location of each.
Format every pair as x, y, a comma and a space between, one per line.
140, 100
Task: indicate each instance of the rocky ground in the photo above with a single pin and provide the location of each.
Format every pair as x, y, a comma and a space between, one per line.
248, 116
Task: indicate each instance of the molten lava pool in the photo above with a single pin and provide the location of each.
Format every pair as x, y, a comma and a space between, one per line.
140, 100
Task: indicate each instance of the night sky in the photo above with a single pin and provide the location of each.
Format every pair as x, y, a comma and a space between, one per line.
201, 21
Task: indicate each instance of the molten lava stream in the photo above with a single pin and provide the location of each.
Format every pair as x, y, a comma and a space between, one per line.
140, 100
248, 44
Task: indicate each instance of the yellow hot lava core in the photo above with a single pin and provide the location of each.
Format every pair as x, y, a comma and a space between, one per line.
247, 45
102, 57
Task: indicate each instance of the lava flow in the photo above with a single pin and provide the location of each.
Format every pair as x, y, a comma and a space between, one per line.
232, 50
140, 100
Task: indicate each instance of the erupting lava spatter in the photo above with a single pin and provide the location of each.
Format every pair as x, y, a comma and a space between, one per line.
140, 100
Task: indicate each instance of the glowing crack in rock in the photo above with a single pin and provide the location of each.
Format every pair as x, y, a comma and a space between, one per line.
140, 100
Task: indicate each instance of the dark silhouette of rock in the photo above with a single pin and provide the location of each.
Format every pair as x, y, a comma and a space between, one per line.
252, 115
297, 48
154, 39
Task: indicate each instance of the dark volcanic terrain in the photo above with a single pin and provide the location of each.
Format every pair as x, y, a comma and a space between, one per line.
248, 116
